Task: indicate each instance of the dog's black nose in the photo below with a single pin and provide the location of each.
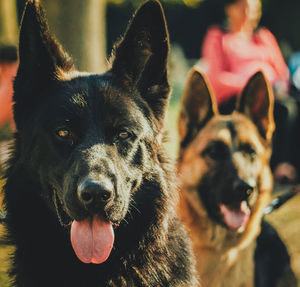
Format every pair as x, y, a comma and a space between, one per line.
243, 188
94, 194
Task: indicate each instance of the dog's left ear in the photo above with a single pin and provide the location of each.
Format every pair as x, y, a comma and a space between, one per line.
198, 105
141, 57
257, 103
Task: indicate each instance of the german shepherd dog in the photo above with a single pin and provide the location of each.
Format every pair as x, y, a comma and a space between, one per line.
226, 181
90, 196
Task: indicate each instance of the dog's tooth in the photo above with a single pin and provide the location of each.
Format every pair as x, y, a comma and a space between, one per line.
241, 229
244, 205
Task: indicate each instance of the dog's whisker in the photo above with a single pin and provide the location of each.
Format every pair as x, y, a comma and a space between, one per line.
124, 220
132, 204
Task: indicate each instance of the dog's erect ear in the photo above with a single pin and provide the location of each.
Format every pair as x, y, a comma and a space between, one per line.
257, 103
141, 57
41, 56
198, 105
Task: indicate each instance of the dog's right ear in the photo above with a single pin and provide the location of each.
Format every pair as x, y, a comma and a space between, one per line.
140, 58
198, 105
41, 57
257, 103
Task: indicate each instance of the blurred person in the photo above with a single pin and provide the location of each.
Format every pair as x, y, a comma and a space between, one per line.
8, 70
232, 53
294, 67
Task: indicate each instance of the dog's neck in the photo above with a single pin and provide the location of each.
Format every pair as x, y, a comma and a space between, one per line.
217, 248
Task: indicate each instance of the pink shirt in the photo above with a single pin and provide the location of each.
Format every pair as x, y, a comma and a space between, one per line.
232, 59
7, 73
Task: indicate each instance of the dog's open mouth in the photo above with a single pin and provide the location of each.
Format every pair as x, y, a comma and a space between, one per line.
236, 216
92, 238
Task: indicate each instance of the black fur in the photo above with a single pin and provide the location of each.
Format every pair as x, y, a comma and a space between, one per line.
272, 259
73, 127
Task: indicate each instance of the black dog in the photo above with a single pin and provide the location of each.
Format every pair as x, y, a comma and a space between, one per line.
88, 180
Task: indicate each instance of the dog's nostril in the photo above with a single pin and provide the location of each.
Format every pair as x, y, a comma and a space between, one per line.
86, 197
243, 188
105, 196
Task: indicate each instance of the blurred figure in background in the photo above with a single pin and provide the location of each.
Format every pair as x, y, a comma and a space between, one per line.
294, 67
231, 54
8, 70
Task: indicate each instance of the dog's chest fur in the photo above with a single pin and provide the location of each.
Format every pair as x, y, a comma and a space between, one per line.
220, 258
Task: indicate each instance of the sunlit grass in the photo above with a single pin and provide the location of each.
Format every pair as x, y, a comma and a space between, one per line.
4, 251
4, 264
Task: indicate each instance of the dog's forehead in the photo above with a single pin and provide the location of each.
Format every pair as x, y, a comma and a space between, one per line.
100, 88
234, 129
95, 91
96, 97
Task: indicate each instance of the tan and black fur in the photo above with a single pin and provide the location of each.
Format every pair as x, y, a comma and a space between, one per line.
224, 161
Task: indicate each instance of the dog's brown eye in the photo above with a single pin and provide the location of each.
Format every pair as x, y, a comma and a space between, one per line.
217, 150
123, 135
248, 149
64, 133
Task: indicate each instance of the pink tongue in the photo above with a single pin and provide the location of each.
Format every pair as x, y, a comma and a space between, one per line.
92, 239
235, 218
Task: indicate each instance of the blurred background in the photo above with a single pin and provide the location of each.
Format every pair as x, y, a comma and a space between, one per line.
89, 28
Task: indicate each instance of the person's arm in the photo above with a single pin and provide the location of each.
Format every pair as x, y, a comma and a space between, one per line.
224, 83
275, 58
